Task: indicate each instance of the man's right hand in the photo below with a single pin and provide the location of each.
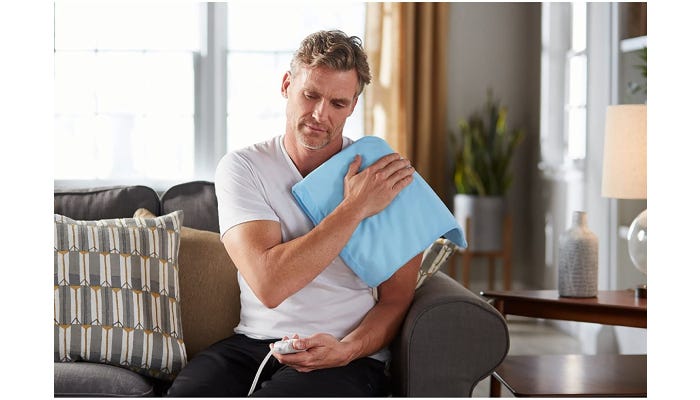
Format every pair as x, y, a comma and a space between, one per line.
373, 189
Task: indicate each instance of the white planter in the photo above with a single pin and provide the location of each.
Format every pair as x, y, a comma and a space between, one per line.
486, 214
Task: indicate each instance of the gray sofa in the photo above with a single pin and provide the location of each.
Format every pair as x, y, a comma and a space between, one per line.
450, 340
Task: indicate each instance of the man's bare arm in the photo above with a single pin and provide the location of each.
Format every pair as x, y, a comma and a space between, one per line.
276, 270
382, 322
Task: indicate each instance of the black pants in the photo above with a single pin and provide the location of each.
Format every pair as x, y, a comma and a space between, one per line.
227, 368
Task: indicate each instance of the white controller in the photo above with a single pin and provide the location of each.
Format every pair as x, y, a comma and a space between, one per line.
285, 347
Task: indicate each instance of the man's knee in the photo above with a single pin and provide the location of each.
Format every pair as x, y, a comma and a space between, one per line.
188, 387
207, 376
362, 378
183, 387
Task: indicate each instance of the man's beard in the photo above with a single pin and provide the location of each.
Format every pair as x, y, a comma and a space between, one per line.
310, 146
313, 142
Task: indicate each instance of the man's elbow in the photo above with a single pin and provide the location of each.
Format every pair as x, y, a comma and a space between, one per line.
269, 297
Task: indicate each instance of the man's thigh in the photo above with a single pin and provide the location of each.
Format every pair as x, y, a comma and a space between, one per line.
361, 378
226, 368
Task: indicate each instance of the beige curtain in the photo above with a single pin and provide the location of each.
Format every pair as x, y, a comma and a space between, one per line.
405, 103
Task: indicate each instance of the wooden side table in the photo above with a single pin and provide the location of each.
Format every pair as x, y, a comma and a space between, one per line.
572, 375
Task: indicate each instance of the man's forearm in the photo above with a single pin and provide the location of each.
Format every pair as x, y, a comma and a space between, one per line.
382, 322
275, 270
377, 330
292, 265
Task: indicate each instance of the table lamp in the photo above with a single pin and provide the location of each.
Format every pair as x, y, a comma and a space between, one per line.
625, 172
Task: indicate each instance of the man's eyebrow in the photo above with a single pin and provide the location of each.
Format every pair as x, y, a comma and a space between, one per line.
342, 100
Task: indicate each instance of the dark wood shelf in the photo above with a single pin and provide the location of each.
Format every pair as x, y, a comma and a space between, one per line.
576, 375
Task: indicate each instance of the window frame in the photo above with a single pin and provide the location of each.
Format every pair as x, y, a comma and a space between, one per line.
204, 139
210, 106
558, 54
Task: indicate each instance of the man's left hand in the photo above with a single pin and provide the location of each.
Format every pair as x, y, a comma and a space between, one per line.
322, 351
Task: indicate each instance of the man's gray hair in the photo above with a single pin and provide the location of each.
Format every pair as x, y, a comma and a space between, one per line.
336, 50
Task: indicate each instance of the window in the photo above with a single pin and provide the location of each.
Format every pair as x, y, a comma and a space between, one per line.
577, 71
135, 84
256, 63
124, 100
564, 82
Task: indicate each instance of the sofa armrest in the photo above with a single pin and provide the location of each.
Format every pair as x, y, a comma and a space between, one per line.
450, 340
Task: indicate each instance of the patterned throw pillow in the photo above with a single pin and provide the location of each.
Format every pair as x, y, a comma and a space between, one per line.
434, 257
116, 293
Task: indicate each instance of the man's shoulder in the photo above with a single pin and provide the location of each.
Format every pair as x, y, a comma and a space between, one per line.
264, 148
347, 141
255, 152
250, 158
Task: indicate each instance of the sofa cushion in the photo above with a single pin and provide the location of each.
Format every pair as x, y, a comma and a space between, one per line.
116, 293
82, 379
198, 201
208, 282
106, 202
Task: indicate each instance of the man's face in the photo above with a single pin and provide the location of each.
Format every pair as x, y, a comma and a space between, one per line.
319, 100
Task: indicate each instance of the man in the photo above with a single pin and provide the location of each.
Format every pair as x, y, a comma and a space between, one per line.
292, 280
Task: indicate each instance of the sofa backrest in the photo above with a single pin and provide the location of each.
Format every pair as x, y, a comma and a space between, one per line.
105, 202
197, 199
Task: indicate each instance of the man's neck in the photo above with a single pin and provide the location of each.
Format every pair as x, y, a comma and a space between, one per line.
307, 160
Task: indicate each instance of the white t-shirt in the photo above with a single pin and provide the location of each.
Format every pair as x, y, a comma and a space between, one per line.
255, 183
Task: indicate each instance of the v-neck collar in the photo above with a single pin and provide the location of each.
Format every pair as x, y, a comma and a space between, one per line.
280, 140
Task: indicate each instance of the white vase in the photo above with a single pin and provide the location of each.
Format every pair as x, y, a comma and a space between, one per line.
578, 259
486, 214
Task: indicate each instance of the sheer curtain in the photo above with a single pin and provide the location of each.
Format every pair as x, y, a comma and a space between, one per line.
405, 103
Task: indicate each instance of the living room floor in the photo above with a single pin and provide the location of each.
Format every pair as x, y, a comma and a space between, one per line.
532, 336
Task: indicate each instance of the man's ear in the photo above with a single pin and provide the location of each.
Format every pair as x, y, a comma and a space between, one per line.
286, 81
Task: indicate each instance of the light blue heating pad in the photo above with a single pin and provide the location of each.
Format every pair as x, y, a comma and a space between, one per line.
384, 242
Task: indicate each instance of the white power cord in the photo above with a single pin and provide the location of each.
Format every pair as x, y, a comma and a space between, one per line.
257, 375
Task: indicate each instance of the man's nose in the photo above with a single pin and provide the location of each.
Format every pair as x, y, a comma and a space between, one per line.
320, 111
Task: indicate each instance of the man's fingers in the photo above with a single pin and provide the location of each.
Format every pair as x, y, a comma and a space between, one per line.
388, 164
403, 183
386, 160
397, 170
354, 166
301, 344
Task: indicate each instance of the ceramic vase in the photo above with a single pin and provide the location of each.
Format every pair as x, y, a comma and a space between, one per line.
578, 259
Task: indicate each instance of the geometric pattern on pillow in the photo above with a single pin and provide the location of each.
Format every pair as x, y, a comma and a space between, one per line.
116, 293
434, 257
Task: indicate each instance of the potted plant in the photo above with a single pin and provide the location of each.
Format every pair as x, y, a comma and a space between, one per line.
484, 149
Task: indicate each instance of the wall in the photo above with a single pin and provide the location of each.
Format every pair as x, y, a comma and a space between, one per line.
497, 45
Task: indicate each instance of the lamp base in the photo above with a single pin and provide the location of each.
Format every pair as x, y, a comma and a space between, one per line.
637, 242
640, 292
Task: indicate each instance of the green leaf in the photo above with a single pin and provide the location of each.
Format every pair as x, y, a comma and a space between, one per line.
484, 151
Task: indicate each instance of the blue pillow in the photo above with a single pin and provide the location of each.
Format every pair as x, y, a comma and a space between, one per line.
384, 242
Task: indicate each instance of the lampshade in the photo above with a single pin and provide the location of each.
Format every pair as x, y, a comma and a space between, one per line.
625, 152
625, 172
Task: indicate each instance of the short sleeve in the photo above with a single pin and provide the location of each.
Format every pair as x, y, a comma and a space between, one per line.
240, 193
